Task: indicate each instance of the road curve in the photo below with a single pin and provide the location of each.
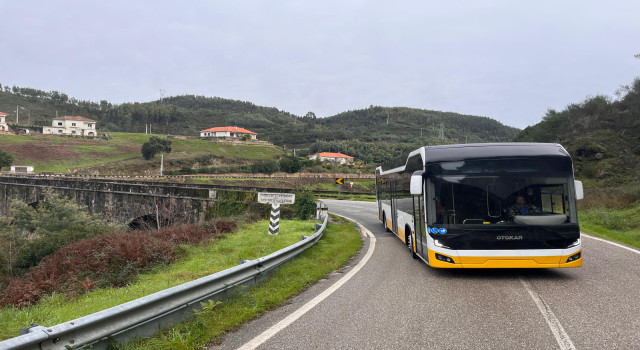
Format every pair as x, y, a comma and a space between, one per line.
393, 301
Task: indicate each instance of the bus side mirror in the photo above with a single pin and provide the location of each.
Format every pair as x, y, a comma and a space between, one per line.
579, 190
416, 184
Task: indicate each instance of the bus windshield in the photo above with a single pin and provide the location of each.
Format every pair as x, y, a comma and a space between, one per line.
506, 197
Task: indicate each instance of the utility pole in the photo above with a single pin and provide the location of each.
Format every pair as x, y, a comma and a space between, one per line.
441, 131
162, 94
17, 114
387, 119
161, 163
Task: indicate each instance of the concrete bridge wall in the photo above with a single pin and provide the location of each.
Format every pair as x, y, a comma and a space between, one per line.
119, 201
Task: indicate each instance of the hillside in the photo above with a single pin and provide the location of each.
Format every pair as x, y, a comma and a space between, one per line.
121, 154
187, 114
375, 135
602, 135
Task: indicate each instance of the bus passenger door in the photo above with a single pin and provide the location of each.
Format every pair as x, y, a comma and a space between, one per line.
394, 207
419, 225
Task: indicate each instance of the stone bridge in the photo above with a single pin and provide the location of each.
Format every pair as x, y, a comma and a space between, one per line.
127, 201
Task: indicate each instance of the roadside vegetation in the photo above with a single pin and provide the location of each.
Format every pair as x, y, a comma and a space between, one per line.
31, 232
612, 213
81, 270
190, 262
340, 241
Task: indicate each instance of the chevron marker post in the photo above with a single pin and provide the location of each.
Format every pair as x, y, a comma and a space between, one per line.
274, 222
275, 199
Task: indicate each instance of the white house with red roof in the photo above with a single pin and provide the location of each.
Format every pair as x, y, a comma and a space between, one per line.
332, 157
3, 123
72, 125
227, 131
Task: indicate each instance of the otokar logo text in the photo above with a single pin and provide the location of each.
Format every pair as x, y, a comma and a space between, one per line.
509, 238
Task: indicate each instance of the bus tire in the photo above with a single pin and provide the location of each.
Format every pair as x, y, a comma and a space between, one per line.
384, 221
409, 240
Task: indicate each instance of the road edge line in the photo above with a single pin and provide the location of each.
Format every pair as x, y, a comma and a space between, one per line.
284, 323
612, 243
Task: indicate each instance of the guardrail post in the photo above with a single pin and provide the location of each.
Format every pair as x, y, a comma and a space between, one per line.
321, 210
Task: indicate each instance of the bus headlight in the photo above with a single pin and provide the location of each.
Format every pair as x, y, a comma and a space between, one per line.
574, 243
574, 257
438, 244
444, 258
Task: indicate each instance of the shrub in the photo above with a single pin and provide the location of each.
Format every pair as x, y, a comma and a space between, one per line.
106, 260
264, 166
32, 232
305, 205
6, 159
290, 164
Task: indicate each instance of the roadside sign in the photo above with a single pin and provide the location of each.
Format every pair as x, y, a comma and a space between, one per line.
340, 181
276, 198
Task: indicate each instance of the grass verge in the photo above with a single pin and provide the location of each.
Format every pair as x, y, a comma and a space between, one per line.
621, 225
249, 242
340, 241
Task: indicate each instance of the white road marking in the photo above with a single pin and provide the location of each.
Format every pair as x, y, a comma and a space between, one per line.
612, 243
284, 323
558, 331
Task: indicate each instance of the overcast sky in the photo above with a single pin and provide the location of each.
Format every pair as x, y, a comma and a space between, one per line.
508, 60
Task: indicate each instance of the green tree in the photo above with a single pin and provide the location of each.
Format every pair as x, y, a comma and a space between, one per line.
155, 145
264, 166
5, 159
290, 164
305, 205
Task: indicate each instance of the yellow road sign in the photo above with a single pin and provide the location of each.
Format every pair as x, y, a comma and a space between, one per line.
340, 181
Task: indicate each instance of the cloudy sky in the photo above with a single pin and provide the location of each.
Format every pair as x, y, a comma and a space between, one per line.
509, 60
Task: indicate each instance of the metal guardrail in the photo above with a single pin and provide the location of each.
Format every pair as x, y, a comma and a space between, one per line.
145, 316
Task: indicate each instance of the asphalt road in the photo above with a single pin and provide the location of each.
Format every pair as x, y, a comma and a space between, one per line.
392, 301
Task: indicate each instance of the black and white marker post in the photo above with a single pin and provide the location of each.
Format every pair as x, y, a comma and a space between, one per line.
275, 199
274, 221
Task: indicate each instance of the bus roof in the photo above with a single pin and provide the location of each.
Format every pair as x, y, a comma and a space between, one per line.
452, 153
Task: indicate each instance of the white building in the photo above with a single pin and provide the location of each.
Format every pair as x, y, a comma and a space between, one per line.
71, 125
331, 157
3, 122
227, 131
21, 169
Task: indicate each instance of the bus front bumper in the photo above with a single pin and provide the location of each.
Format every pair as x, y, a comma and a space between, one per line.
442, 260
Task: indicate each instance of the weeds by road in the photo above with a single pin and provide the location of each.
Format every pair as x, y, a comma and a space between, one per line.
250, 242
340, 241
612, 213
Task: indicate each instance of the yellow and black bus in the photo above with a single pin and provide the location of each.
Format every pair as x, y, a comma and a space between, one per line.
493, 205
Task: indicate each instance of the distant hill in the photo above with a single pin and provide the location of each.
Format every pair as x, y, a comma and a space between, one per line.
373, 135
601, 134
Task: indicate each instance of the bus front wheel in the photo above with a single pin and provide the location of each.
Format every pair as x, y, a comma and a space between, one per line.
384, 221
409, 240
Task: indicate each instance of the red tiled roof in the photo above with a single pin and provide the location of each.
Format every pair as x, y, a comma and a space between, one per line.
2, 113
230, 129
333, 155
71, 117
